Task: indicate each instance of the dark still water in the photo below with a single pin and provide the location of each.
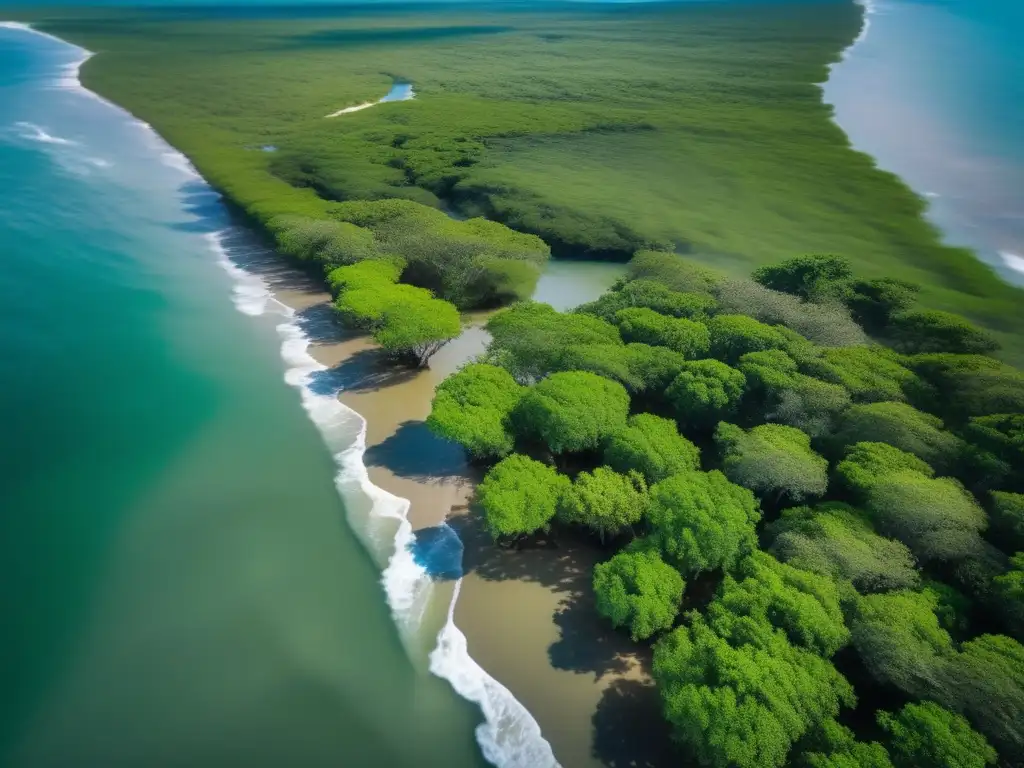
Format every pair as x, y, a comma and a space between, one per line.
178, 582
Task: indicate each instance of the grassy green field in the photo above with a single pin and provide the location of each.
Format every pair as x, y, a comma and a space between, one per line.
695, 126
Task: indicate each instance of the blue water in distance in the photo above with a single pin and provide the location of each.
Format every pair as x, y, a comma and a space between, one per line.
177, 580
935, 92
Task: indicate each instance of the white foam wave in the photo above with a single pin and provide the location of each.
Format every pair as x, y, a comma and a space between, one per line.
33, 132
509, 737
870, 9
1013, 261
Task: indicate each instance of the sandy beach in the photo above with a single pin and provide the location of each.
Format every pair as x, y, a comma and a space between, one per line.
527, 614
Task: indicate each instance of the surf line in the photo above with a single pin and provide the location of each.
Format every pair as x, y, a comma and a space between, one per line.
398, 92
509, 737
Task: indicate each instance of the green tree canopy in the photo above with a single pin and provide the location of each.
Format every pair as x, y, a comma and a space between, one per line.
645, 326
985, 682
903, 427
828, 325
898, 638
638, 590
572, 411
363, 305
776, 389
999, 441
415, 331
651, 446
673, 271
472, 408
700, 521
1006, 518
705, 391
1009, 591
772, 460
605, 501
324, 241
364, 274
743, 702
837, 540
652, 295
812, 278
529, 339
957, 387
832, 745
867, 463
870, 374
520, 496
926, 331
874, 302
652, 369
802, 605
925, 735
936, 517
733, 336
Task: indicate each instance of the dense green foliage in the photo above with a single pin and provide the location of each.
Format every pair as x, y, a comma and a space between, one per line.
1006, 516
653, 447
645, 326
832, 745
572, 412
870, 374
415, 330
900, 641
531, 339
705, 392
520, 496
772, 460
813, 278
925, 735
958, 387
701, 521
743, 699
935, 517
647, 294
1009, 592
802, 605
733, 336
638, 590
836, 540
605, 501
829, 325
903, 427
472, 407
924, 331
996, 449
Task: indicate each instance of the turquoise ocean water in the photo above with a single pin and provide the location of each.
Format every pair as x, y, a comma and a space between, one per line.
935, 92
180, 586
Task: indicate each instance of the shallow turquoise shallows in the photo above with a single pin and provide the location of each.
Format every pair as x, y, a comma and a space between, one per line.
179, 585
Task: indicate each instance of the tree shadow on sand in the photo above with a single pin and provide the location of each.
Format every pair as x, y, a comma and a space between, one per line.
364, 371
586, 643
415, 452
630, 730
563, 565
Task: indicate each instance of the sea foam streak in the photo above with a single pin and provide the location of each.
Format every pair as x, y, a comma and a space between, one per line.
1013, 261
509, 737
